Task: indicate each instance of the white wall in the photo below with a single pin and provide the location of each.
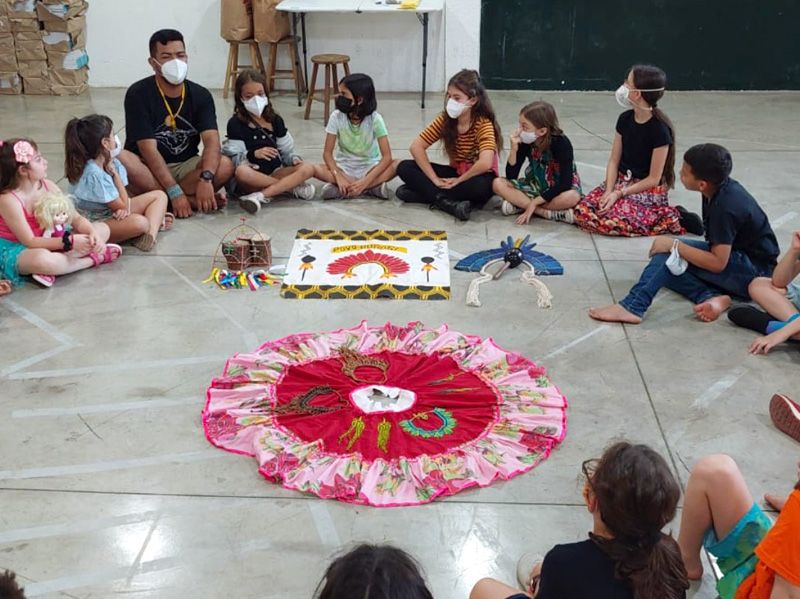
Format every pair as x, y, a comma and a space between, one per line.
387, 47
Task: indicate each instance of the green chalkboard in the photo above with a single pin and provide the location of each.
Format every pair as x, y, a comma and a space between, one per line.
588, 44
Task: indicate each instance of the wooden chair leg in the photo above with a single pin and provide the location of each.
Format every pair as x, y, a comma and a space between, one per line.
235, 64
347, 67
312, 90
260, 59
328, 87
297, 74
228, 70
273, 66
335, 80
255, 58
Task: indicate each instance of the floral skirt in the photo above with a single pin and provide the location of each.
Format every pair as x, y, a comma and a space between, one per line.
640, 214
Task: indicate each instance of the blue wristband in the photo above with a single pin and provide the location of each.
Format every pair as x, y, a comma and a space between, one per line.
174, 192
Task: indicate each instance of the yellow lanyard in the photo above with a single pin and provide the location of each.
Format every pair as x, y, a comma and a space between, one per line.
171, 120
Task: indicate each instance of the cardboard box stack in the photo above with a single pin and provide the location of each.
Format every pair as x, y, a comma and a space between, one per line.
9, 70
43, 45
64, 38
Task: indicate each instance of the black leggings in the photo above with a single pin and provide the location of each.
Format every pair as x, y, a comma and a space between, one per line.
477, 190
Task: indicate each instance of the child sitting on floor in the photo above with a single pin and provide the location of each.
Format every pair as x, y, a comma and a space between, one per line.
758, 560
641, 169
551, 186
272, 167
632, 494
471, 137
373, 572
739, 246
98, 182
363, 162
23, 250
780, 297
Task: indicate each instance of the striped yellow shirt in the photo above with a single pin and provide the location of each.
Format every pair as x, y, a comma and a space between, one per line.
479, 137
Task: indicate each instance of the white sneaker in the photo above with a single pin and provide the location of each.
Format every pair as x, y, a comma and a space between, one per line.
304, 191
251, 202
559, 216
507, 208
330, 191
379, 191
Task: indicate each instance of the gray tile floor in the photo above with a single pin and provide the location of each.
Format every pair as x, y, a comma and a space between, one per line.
108, 486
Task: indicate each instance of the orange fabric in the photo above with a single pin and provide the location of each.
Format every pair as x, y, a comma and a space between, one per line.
778, 553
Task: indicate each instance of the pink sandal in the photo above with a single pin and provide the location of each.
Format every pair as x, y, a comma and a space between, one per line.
111, 253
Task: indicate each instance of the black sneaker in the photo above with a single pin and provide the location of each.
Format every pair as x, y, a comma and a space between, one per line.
462, 210
690, 221
750, 317
405, 194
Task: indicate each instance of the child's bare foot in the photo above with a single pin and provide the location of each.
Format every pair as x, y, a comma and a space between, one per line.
710, 310
614, 313
5, 287
775, 501
222, 198
694, 567
169, 220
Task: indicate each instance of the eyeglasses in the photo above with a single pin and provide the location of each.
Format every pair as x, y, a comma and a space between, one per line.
588, 468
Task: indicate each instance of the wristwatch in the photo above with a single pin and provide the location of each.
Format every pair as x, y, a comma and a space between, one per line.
207, 176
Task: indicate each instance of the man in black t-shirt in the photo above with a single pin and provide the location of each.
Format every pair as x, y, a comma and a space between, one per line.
739, 246
166, 119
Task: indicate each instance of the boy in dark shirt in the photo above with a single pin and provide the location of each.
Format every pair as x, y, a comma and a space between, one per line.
166, 118
739, 246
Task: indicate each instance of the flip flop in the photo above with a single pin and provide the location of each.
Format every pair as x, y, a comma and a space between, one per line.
111, 253
169, 220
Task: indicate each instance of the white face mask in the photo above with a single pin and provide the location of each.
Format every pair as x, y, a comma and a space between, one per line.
256, 105
174, 70
621, 95
455, 109
527, 137
117, 148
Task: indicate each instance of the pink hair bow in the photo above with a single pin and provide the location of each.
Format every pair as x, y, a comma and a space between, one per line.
24, 152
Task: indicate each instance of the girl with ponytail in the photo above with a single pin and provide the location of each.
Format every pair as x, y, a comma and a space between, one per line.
641, 169
98, 180
631, 494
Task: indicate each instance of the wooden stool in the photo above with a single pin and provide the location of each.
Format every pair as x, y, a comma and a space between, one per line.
331, 61
295, 73
234, 68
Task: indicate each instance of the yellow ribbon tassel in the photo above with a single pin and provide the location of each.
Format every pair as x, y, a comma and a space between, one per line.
384, 428
354, 432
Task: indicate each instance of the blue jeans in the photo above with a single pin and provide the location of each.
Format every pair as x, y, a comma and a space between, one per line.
695, 284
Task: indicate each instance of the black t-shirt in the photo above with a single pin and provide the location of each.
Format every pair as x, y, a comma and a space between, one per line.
255, 138
146, 118
560, 154
733, 217
579, 570
638, 142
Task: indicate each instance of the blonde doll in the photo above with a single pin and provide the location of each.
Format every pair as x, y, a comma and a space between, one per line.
54, 212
